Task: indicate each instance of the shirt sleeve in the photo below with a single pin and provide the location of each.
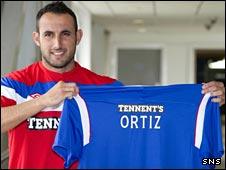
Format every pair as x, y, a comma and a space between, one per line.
8, 94
69, 137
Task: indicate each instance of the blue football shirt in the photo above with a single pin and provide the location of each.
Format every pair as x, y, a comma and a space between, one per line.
139, 127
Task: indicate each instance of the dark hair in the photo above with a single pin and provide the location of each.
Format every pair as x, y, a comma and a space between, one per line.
56, 7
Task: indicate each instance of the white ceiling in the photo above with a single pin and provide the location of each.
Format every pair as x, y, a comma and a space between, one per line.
119, 15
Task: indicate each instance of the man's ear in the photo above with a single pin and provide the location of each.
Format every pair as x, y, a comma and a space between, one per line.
36, 39
79, 35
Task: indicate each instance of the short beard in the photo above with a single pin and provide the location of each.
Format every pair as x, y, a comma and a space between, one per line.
58, 66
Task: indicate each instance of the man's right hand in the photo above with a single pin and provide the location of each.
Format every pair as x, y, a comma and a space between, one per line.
58, 93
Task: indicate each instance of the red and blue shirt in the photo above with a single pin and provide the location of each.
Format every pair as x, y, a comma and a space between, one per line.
31, 141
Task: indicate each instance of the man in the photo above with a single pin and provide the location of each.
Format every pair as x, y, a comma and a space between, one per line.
30, 134
32, 98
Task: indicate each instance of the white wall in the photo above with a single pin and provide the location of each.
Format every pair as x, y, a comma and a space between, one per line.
178, 51
18, 49
28, 51
83, 54
10, 34
99, 49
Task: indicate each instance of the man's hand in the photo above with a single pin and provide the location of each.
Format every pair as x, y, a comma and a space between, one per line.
58, 93
216, 89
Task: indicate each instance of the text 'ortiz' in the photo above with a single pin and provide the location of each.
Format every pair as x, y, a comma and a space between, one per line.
140, 116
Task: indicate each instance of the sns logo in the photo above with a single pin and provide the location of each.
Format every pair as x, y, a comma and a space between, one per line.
211, 161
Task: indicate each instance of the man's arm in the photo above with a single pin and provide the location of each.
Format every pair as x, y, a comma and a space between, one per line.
13, 115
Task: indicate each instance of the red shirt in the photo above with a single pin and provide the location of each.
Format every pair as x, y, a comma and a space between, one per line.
30, 143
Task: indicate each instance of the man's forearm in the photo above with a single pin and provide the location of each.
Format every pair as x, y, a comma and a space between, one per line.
13, 115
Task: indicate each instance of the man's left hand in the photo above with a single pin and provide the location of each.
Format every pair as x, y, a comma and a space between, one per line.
216, 89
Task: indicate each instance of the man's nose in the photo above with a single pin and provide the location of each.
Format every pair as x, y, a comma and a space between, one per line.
57, 42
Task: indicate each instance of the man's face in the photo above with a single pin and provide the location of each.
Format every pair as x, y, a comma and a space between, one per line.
57, 39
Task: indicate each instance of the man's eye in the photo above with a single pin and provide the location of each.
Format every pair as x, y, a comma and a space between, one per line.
47, 34
67, 34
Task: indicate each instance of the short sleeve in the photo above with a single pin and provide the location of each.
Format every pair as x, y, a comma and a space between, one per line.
8, 94
69, 137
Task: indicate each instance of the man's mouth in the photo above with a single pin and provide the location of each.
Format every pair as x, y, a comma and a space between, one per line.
58, 53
